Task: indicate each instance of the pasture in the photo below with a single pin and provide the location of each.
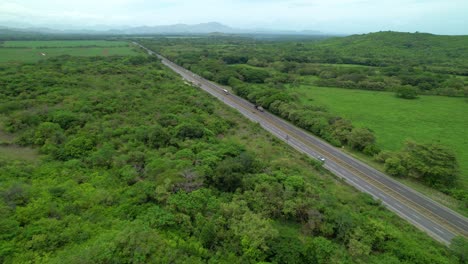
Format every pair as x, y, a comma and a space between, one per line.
12, 52
394, 120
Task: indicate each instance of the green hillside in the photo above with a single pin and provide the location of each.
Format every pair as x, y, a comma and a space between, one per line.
434, 52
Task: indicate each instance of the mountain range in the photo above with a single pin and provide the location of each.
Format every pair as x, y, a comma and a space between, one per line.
203, 28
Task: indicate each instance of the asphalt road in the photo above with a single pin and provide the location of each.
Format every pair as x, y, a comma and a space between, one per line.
438, 221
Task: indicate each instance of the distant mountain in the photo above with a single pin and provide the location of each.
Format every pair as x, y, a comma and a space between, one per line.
203, 28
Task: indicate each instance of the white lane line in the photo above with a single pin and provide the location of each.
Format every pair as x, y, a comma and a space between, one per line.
351, 180
367, 186
438, 230
462, 223
417, 217
399, 206
381, 195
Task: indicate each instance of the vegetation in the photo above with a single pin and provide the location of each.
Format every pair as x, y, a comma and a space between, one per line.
137, 167
270, 73
407, 92
63, 44
32, 51
429, 119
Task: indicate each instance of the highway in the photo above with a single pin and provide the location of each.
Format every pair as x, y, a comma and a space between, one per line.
438, 221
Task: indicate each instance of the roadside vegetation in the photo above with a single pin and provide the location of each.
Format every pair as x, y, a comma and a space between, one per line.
271, 74
134, 166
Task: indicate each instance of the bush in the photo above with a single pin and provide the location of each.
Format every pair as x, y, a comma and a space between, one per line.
77, 147
360, 138
433, 164
394, 167
407, 92
48, 131
64, 118
190, 130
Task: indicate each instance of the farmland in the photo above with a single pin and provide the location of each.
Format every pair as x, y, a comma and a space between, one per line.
32, 51
429, 118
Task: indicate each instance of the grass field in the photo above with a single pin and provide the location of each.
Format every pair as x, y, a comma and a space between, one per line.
63, 43
10, 151
32, 51
394, 120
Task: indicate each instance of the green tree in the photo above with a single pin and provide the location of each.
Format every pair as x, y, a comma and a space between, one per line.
395, 167
77, 147
66, 119
360, 138
459, 247
157, 137
48, 130
254, 234
407, 92
433, 163
190, 130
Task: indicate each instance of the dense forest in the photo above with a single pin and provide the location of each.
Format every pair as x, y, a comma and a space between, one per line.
266, 72
134, 166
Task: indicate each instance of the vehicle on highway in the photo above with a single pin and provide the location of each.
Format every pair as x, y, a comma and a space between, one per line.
225, 91
322, 159
259, 108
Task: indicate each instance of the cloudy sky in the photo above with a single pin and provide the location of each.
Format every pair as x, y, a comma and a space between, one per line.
336, 16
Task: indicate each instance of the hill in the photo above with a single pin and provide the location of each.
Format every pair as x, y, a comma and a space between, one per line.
438, 53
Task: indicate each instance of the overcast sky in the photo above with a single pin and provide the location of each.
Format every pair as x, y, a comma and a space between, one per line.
336, 16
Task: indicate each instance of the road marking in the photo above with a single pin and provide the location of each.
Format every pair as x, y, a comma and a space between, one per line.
417, 217
367, 186
399, 206
438, 230
381, 195
351, 180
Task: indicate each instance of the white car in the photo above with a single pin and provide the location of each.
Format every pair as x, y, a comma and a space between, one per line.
322, 159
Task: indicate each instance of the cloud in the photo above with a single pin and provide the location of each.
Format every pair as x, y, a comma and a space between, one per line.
347, 16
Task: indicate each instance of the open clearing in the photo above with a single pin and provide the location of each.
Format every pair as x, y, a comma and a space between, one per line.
14, 152
32, 51
394, 120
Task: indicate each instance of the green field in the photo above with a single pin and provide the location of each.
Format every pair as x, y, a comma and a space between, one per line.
32, 51
394, 120
63, 43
